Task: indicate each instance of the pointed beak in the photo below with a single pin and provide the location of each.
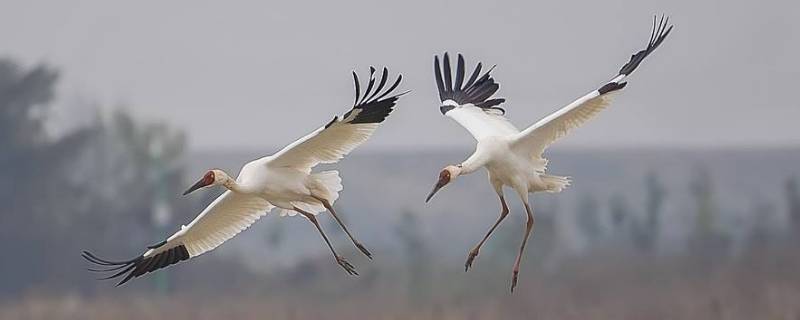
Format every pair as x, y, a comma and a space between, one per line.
436, 188
197, 185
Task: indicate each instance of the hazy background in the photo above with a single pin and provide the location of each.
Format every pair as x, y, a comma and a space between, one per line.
685, 204
252, 65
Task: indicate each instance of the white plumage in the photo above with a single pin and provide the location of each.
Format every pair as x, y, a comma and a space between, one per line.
283, 180
224, 218
514, 158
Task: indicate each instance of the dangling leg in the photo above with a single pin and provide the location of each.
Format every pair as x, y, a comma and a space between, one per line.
528, 228
355, 242
341, 261
503, 213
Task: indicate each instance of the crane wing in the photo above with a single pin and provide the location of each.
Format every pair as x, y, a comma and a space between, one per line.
536, 138
339, 137
469, 103
223, 219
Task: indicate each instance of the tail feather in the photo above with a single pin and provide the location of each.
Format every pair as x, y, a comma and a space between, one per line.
331, 183
555, 184
325, 185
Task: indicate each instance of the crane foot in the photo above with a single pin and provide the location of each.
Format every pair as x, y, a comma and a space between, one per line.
514, 280
347, 266
470, 258
364, 250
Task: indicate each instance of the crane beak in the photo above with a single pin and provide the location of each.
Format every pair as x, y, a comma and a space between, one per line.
436, 188
197, 185
444, 179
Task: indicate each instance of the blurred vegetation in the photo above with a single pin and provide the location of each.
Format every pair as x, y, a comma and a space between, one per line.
39, 193
114, 177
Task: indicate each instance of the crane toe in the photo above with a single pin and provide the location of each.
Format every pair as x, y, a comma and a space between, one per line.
470, 258
364, 250
347, 266
514, 280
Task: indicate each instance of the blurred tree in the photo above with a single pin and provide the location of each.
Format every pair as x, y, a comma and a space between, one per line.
38, 192
588, 220
619, 211
408, 231
706, 238
761, 234
96, 187
793, 203
137, 174
703, 193
646, 232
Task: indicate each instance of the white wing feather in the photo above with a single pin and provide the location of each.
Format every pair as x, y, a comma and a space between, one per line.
324, 145
223, 219
535, 139
481, 123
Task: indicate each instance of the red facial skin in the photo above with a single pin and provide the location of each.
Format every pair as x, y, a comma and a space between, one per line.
444, 178
207, 180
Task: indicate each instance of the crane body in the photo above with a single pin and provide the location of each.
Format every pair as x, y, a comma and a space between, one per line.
514, 158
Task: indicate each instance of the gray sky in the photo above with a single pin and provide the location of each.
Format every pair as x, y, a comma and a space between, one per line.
262, 73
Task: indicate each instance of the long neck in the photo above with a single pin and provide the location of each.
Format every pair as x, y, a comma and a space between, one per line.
473, 163
232, 185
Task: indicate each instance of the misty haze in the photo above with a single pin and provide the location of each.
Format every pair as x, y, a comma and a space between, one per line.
685, 194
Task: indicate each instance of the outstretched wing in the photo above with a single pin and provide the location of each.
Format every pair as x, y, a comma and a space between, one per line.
535, 139
223, 219
471, 104
336, 139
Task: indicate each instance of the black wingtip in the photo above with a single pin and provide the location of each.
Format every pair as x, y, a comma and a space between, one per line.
137, 266
611, 86
358, 87
376, 95
327, 125
477, 90
660, 31
157, 245
375, 106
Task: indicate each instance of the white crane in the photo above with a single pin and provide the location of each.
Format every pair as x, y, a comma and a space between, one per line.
283, 180
512, 157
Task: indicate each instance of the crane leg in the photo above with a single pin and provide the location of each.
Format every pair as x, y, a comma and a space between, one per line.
528, 228
474, 252
341, 261
349, 235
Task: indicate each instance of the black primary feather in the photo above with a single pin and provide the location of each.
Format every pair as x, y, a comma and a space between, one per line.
477, 90
374, 107
138, 266
657, 35
358, 87
370, 84
448, 83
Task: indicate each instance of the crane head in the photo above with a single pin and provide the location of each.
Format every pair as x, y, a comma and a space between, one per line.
447, 175
208, 179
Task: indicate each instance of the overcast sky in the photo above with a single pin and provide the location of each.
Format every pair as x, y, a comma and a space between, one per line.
262, 73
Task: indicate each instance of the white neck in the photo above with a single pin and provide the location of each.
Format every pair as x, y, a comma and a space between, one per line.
473, 163
232, 185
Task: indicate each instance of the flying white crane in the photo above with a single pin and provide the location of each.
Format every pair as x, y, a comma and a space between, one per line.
282, 180
514, 158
